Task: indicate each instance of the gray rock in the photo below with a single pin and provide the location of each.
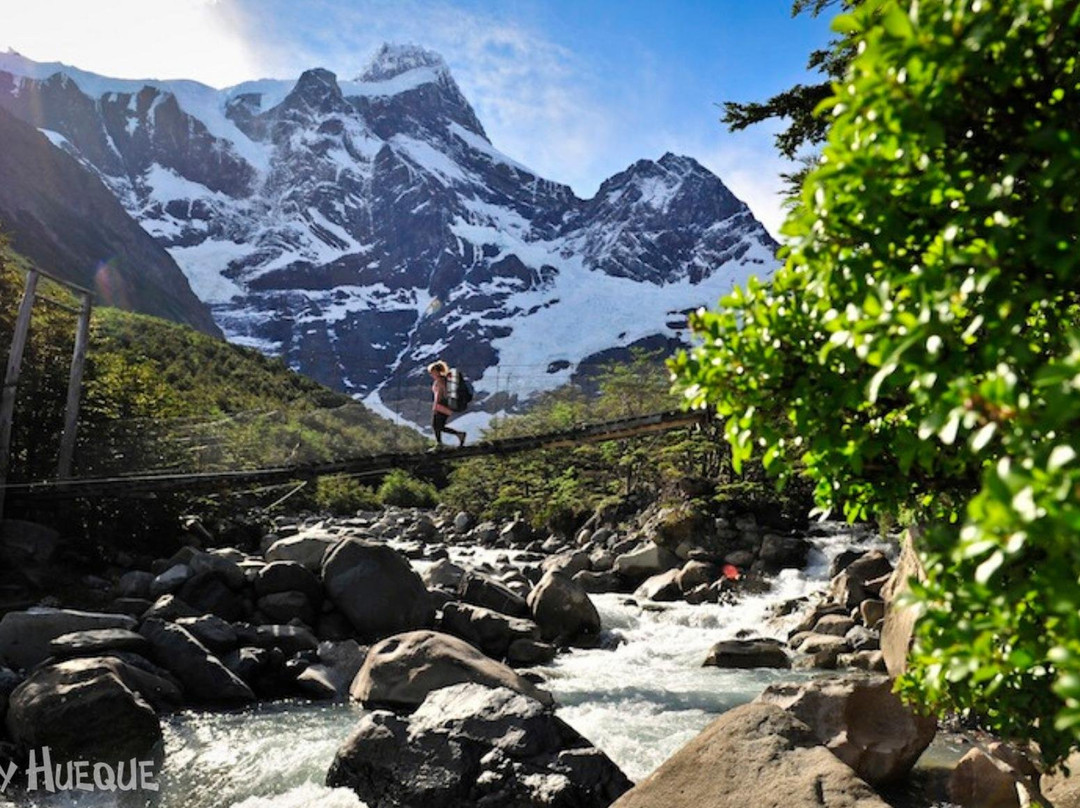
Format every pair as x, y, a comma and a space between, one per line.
204, 678
284, 607
443, 574
567, 563
170, 607
135, 584
490, 631
333, 674
607, 581
861, 579
225, 568
25, 637
469, 746
646, 561
288, 576
306, 549
695, 573
400, 671
754, 755
526, 653
170, 580
376, 589
783, 552
209, 593
661, 588
481, 590
216, 634
82, 710
836, 625
752, 653
861, 721
563, 609
860, 638
290, 639
96, 642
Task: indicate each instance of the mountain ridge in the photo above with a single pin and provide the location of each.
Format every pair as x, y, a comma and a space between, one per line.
360, 229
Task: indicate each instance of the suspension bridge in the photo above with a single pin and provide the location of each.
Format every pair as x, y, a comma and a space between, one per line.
370, 465
229, 473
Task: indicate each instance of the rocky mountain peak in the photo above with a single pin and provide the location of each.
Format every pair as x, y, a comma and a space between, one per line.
316, 90
361, 229
392, 60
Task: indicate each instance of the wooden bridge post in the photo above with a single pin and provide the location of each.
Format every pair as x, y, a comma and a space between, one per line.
71, 411
11, 378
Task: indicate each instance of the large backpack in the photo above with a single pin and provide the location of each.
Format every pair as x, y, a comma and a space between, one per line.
458, 391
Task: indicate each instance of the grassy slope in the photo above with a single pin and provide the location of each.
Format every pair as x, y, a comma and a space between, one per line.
203, 402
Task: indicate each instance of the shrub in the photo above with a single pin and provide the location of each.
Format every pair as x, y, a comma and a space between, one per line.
342, 495
402, 489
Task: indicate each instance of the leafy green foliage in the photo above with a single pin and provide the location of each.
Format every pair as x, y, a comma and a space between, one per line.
918, 350
402, 489
161, 397
559, 488
344, 496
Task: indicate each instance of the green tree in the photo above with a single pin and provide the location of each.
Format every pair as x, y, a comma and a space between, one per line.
799, 104
918, 351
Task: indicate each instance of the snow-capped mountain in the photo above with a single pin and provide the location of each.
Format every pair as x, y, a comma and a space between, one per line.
364, 228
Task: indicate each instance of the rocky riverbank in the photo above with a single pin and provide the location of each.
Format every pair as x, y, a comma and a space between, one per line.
438, 626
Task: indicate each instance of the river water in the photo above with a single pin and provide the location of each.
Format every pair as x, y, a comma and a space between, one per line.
639, 701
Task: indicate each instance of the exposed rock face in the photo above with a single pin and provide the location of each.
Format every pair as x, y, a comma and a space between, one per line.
376, 589
861, 721
61, 216
351, 225
470, 745
402, 670
755, 755
82, 709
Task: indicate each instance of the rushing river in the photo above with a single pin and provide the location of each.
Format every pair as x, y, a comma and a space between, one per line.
639, 701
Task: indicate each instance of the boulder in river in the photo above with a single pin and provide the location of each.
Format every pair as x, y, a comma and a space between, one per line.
97, 641
307, 548
860, 720
83, 710
376, 589
645, 561
25, 636
288, 576
754, 653
469, 746
332, 675
754, 755
490, 631
563, 610
204, 678
400, 671
481, 590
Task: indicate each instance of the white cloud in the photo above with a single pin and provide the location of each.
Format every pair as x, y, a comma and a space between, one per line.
196, 39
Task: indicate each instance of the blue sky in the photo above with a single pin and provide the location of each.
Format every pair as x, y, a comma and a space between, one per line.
575, 90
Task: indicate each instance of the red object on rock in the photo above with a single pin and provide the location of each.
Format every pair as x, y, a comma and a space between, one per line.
731, 572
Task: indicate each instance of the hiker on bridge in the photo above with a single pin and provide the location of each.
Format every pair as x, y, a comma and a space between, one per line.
440, 409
